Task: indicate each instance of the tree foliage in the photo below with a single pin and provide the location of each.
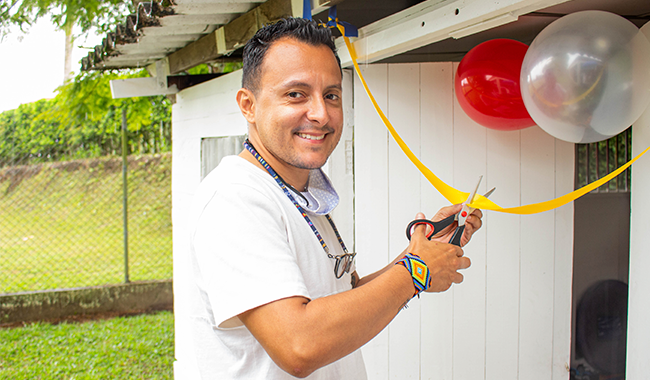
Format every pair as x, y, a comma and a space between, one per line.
83, 120
86, 14
65, 14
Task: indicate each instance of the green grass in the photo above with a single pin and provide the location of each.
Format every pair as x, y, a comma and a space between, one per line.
61, 223
139, 347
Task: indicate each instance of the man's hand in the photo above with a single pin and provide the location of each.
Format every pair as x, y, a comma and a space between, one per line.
472, 224
444, 260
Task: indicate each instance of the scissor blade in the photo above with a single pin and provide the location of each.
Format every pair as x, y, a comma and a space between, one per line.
486, 195
464, 213
473, 193
466, 210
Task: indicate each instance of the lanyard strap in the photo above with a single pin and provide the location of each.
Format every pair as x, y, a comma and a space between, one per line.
283, 186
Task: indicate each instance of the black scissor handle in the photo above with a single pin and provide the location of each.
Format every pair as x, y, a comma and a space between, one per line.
455, 239
414, 223
435, 226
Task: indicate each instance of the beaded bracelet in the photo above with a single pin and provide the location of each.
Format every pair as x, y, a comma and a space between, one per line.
419, 271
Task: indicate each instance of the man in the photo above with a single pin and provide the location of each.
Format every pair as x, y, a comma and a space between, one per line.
277, 295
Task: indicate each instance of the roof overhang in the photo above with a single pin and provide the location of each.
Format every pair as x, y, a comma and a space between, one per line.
188, 32
175, 36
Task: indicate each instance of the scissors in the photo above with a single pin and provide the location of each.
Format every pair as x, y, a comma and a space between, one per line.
461, 217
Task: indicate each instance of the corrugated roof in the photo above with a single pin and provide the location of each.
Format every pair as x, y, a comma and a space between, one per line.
160, 28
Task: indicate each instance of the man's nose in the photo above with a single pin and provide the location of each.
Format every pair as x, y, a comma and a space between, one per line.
317, 111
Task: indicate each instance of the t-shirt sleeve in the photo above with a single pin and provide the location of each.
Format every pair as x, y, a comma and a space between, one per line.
243, 254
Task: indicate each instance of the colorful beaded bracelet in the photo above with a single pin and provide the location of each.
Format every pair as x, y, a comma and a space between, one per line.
419, 272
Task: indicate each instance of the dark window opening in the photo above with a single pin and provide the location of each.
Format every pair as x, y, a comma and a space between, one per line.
601, 261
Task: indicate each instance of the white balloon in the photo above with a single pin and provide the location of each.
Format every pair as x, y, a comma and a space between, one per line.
645, 29
585, 77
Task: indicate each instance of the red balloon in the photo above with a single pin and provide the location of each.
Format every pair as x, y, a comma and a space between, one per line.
487, 85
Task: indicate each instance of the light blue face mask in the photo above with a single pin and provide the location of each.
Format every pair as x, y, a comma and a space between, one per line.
320, 194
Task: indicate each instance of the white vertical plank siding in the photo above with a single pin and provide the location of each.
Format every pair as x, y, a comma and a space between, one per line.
563, 271
638, 328
337, 168
469, 297
436, 152
185, 157
503, 257
205, 110
537, 258
371, 197
510, 319
404, 202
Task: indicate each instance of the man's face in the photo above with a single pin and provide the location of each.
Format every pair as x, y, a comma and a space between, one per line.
297, 112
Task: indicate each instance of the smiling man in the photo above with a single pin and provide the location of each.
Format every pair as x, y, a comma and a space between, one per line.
276, 292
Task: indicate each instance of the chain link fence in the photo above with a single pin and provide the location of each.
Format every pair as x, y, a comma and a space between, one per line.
62, 223
62, 198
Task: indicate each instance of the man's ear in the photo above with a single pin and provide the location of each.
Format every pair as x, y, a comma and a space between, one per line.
246, 102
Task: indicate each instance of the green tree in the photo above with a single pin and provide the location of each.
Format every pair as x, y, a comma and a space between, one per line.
83, 120
65, 14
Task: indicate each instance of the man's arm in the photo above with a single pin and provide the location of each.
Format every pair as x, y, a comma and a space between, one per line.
302, 335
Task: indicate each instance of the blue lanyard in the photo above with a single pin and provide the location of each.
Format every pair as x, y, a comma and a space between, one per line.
283, 186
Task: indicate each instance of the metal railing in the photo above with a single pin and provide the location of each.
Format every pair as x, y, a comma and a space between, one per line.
596, 160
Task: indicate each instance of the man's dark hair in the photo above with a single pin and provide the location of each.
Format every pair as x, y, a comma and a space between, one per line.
303, 30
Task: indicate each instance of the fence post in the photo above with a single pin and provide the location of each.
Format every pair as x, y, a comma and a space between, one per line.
125, 198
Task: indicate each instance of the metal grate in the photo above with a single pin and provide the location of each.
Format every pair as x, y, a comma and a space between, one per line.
596, 160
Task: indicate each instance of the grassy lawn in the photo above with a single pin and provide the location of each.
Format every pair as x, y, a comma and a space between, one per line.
61, 223
139, 347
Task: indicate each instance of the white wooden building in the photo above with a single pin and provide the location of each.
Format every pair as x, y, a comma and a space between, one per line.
512, 316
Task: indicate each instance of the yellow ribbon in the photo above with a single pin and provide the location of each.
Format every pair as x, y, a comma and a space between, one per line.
456, 196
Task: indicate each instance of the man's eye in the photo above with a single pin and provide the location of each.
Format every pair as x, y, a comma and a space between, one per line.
332, 97
294, 94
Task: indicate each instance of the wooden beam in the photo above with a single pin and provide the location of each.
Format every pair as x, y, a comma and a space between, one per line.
134, 87
233, 35
318, 6
239, 31
199, 51
432, 21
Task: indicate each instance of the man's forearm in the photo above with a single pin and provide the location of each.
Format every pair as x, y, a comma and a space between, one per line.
316, 333
366, 279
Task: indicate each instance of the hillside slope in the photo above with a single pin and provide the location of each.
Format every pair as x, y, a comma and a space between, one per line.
61, 223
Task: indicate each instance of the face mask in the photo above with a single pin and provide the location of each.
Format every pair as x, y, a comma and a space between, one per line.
320, 194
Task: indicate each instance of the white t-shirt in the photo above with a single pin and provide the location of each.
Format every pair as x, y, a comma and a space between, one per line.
251, 246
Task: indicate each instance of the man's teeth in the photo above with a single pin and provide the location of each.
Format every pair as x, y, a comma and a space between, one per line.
311, 137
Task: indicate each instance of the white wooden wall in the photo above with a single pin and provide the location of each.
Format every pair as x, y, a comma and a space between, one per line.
205, 110
638, 329
510, 319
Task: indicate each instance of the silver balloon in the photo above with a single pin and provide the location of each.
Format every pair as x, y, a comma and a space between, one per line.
586, 76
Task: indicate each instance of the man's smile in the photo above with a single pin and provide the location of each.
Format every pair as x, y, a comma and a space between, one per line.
311, 137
